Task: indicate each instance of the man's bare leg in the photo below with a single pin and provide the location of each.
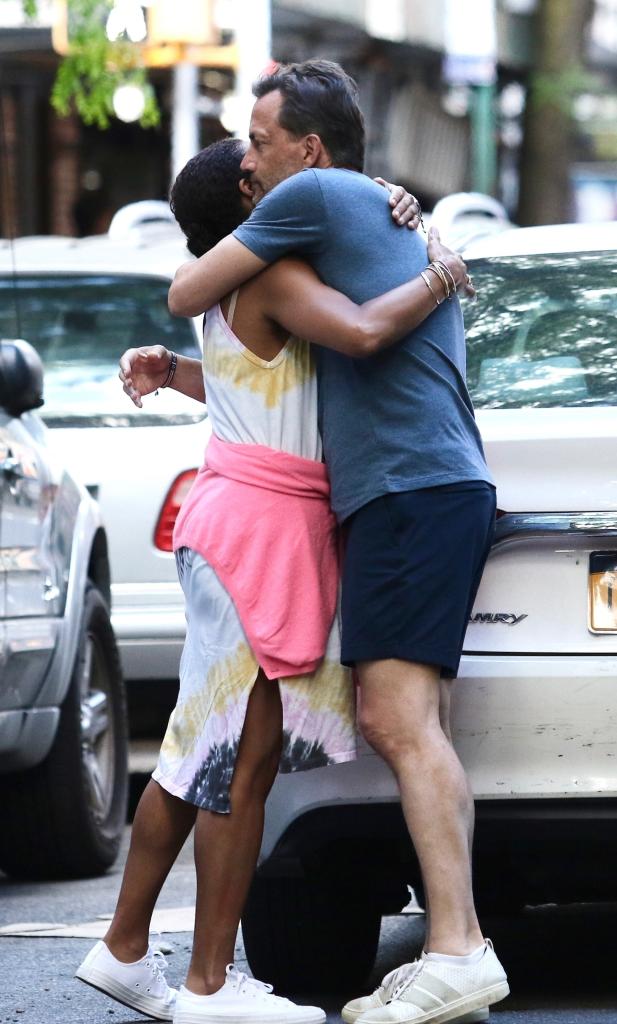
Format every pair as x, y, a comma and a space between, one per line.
227, 845
400, 718
445, 720
161, 825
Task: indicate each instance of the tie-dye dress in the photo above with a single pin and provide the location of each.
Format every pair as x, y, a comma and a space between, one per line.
273, 403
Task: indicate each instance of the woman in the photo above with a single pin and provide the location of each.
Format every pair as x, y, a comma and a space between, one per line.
261, 685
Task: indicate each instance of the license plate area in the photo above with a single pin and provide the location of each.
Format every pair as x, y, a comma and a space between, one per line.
603, 591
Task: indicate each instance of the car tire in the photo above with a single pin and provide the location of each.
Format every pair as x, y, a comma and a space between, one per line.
295, 930
65, 817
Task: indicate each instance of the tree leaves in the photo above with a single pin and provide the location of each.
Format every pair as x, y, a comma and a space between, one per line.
90, 73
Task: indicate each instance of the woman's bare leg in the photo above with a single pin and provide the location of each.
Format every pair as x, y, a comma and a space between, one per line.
227, 845
160, 828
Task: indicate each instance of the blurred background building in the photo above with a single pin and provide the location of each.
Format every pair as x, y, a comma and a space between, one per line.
517, 98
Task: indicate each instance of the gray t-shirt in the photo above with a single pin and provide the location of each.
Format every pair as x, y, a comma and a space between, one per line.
400, 420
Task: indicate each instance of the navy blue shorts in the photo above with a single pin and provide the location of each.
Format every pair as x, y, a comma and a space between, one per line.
412, 567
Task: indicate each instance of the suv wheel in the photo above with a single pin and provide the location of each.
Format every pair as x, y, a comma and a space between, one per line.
66, 816
295, 929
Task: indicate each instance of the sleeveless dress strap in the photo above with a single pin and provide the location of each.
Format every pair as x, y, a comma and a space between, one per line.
232, 307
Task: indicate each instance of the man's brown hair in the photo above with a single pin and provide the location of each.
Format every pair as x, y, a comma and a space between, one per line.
320, 98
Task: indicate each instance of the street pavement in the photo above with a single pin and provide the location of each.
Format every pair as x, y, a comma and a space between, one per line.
561, 960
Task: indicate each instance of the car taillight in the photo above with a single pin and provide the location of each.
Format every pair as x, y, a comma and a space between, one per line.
176, 494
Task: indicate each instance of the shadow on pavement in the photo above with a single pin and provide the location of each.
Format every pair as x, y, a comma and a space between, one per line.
561, 958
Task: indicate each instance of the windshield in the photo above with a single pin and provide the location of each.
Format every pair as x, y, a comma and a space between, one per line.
80, 325
543, 332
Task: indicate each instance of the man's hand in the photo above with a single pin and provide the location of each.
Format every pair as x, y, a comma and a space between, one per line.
405, 207
143, 370
454, 262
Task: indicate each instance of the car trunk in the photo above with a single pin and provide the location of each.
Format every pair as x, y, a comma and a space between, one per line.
557, 485
129, 469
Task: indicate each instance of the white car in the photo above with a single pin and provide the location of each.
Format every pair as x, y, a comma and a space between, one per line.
465, 217
81, 303
535, 709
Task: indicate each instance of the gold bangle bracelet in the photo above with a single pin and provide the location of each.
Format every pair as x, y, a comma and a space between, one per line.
445, 277
446, 269
441, 277
428, 284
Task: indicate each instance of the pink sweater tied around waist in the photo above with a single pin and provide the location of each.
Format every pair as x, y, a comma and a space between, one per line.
262, 519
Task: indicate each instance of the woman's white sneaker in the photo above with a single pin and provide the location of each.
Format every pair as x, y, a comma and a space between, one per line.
356, 1007
242, 999
140, 985
434, 991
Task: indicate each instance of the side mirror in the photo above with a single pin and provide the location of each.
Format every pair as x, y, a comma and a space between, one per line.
21, 377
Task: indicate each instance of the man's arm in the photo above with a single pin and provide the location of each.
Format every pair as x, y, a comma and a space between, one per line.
297, 299
291, 218
199, 285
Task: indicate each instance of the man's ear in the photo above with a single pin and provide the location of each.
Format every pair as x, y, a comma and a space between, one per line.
315, 153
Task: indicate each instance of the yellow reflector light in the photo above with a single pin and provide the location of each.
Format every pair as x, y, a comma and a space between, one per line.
603, 592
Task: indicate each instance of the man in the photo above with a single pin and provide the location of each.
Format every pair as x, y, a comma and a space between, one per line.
410, 482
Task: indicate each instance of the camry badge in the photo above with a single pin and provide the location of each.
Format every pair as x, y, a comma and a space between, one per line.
505, 618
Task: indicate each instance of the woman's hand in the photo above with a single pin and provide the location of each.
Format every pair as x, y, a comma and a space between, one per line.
454, 262
405, 207
143, 370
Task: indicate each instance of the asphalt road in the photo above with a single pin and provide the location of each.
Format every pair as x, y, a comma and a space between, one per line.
562, 961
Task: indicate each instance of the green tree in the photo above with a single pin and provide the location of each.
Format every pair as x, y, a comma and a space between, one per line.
95, 66
556, 80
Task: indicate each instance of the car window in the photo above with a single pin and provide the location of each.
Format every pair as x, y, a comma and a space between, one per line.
80, 325
543, 332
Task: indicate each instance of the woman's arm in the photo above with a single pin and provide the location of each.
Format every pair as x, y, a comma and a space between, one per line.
144, 370
199, 285
296, 298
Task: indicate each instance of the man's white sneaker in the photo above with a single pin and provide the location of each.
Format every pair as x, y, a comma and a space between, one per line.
355, 1007
140, 985
437, 991
242, 999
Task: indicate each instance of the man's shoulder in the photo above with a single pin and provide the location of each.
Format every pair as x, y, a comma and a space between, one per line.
304, 183
313, 186
335, 179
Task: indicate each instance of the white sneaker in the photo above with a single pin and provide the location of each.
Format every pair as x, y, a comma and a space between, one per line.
438, 992
242, 999
355, 1007
140, 985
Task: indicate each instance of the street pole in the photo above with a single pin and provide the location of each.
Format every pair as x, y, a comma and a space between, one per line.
471, 60
483, 169
253, 36
184, 116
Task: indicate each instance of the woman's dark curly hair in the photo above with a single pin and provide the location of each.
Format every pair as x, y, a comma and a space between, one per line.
205, 198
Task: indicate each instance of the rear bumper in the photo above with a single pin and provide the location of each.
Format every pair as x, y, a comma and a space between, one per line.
525, 851
149, 623
150, 659
531, 731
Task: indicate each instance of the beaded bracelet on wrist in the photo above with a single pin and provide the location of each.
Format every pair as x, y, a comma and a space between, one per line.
173, 362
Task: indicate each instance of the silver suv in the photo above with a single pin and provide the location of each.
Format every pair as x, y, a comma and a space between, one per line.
63, 733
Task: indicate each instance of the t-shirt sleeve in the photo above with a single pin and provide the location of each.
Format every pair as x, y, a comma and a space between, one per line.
291, 218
